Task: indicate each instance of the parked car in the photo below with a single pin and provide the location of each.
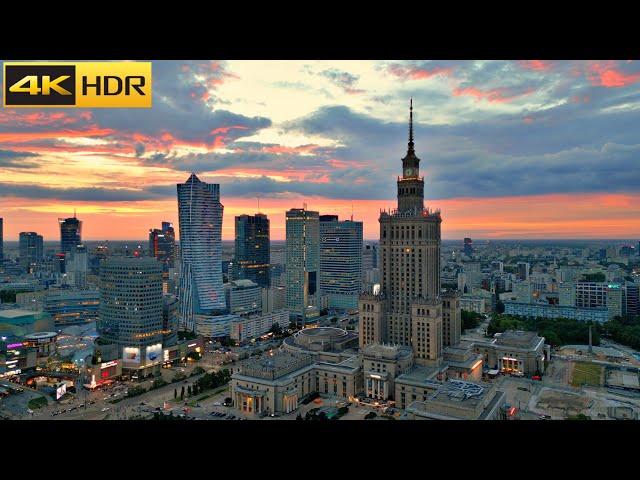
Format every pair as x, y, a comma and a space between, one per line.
536, 377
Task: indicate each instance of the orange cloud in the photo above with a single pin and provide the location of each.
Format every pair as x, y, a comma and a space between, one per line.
416, 73
539, 216
605, 74
537, 65
495, 95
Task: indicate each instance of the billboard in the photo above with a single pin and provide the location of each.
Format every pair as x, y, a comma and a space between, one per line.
154, 353
131, 354
61, 389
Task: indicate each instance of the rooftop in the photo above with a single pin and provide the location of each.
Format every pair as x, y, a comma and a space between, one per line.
517, 338
390, 352
17, 313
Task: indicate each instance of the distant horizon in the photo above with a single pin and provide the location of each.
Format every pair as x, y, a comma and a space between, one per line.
461, 239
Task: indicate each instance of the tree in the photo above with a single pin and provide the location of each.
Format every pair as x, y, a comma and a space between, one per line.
499, 306
276, 329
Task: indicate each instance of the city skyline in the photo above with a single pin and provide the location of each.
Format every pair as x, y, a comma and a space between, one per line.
503, 143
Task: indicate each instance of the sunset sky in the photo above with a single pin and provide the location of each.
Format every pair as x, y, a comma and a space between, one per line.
509, 149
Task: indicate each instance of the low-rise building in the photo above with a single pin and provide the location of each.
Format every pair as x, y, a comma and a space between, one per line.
326, 344
253, 326
515, 351
276, 383
473, 304
459, 400
545, 310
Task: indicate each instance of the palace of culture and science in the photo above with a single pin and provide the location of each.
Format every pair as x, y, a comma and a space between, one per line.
410, 308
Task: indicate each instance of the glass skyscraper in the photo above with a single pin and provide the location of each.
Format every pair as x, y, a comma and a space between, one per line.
162, 244
302, 263
130, 312
340, 261
70, 233
200, 218
30, 245
252, 256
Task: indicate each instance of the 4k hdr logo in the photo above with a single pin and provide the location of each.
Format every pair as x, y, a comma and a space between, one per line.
77, 84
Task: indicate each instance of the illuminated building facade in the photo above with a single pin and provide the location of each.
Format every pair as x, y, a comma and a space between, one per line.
70, 233
201, 291
31, 252
72, 307
162, 245
130, 313
252, 249
302, 263
408, 310
340, 261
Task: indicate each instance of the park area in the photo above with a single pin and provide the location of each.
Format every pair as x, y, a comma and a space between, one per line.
585, 373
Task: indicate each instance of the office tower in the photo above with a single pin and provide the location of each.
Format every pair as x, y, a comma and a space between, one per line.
201, 291
252, 249
302, 263
522, 270
130, 313
472, 274
632, 299
169, 320
1, 240
369, 258
70, 233
567, 294
77, 265
614, 300
30, 248
340, 261
468, 247
408, 310
243, 297
72, 307
162, 245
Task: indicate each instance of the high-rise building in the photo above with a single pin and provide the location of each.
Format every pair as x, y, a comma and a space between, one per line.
77, 265
1, 241
169, 320
130, 313
201, 291
468, 247
522, 271
162, 245
340, 261
30, 248
70, 233
632, 299
302, 263
252, 249
600, 295
409, 309
244, 297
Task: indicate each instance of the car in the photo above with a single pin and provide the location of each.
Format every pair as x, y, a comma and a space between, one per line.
105, 409
536, 377
217, 404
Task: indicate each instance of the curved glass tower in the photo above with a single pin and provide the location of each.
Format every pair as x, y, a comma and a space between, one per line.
200, 218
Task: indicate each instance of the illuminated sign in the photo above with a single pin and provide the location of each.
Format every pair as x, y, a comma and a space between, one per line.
61, 390
192, 345
154, 353
109, 364
131, 354
377, 377
15, 345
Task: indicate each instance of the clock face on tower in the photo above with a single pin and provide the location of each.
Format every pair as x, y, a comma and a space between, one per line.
408, 172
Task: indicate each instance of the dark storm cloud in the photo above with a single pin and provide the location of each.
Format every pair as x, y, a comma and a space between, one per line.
76, 194
569, 148
15, 159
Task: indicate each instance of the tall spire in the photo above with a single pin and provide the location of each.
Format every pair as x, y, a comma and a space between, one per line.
410, 150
